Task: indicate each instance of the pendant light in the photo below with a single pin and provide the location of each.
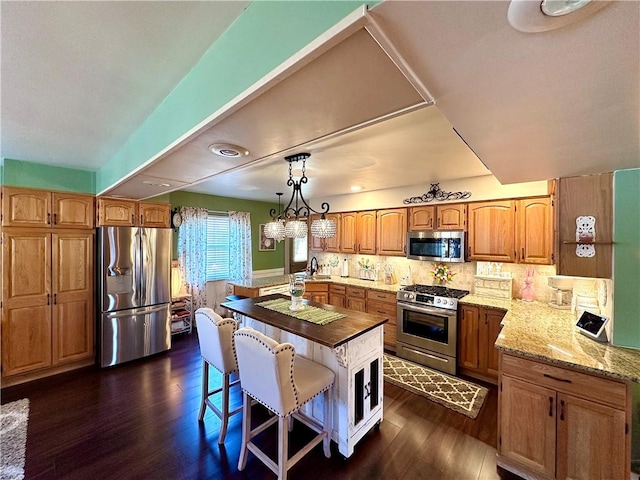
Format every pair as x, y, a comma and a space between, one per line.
297, 211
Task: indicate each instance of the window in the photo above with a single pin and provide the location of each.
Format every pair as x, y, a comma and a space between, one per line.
300, 250
217, 247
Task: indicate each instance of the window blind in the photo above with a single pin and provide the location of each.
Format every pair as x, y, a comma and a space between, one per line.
217, 246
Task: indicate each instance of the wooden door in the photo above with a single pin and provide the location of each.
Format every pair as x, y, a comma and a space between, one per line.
116, 212
337, 299
527, 425
422, 218
73, 288
588, 195
591, 440
26, 306
25, 207
333, 244
154, 215
493, 318
391, 232
357, 304
534, 219
366, 232
452, 217
71, 210
469, 337
348, 229
492, 231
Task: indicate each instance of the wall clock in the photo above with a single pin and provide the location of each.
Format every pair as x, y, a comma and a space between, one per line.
176, 219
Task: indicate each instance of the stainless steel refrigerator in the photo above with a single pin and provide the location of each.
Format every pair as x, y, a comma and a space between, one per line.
134, 289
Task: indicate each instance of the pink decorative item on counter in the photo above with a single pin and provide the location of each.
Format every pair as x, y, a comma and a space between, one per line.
527, 292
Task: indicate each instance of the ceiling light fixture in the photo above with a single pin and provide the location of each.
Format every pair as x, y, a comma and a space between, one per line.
228, 150
154, 184
558, 8
356, 188
297, 211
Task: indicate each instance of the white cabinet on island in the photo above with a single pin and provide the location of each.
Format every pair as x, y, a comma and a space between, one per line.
352, 347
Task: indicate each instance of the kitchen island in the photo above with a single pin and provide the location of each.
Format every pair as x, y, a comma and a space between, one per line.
352, 347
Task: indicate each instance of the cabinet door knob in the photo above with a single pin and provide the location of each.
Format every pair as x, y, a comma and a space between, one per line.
55, 218
55, 298
551, 406
522, 257
48, 299
561, 409
48, 219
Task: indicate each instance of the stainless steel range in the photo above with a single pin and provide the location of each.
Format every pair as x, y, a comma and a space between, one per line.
427, 325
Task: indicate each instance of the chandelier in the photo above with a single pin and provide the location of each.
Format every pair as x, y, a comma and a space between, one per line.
291, 222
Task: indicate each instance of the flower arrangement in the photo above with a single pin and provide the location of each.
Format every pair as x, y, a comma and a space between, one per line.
441, 273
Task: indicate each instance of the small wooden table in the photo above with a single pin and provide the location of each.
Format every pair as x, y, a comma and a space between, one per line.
352, 347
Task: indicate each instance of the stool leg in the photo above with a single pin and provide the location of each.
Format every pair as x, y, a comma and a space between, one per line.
328, 421
205, 389
283, 447
246, 430
225, 408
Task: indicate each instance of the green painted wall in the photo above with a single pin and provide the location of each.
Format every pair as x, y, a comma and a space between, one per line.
264, 36
259, 214
19, 173
626, 251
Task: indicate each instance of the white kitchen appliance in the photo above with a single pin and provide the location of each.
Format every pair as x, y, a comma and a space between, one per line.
561, 292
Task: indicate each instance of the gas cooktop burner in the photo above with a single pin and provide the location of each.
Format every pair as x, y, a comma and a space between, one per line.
435, 295
436, 290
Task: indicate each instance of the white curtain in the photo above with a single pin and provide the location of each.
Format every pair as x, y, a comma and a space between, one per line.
192, 253
240, 261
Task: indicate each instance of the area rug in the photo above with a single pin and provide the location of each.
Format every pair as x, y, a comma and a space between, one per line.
13, 439
451, 392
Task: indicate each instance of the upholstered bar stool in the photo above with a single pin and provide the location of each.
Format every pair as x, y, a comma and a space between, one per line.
215, 335
273, 375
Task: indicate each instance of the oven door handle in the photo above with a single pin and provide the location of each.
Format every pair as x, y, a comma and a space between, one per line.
432, 310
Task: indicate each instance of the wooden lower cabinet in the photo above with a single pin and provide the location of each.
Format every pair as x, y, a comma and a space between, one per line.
356, 299
316, 292
337, 295
478, 330
558, 423
47, 309
384, 303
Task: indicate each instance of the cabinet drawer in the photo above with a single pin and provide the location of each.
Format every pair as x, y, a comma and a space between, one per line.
339, 289
316, 287
389, 297
382, 308
355, 292
598, 389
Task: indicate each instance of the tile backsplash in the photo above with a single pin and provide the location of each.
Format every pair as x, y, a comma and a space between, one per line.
420, 272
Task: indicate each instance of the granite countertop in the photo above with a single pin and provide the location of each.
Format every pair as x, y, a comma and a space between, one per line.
284, 279
534, 330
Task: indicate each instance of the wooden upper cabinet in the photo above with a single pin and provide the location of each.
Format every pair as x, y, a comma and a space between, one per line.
154, 215
25, 207
452, 217
589, 195
534, 220
391, 231
72, 210
116, 212
366, 232
492, 231
422, 218
348, 229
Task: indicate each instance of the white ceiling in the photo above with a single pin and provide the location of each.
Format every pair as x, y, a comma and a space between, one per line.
77, 78
533, 106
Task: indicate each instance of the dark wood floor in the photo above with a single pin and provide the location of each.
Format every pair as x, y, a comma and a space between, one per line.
139, 420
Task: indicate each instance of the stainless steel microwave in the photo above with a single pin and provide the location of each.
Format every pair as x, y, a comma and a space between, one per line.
436, 245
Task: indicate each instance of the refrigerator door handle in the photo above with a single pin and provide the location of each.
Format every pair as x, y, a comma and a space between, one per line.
138, 311
143, 265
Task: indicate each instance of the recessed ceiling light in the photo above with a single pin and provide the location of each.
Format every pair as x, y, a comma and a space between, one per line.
557, 8
228, 150
154, 184
356, 188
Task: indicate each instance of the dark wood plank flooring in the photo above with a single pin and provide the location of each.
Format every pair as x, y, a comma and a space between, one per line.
139, 420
